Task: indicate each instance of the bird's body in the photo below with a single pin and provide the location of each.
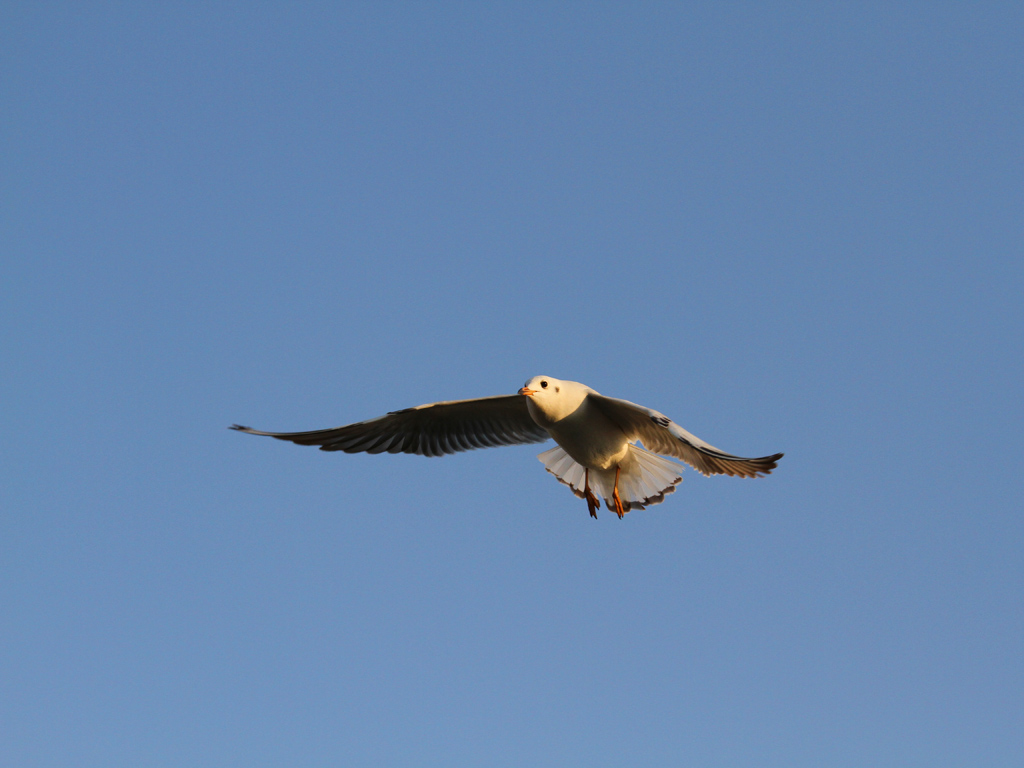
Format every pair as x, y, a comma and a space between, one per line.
596, 440
577, 425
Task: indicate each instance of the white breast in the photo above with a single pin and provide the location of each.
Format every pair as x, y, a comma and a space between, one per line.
590, 437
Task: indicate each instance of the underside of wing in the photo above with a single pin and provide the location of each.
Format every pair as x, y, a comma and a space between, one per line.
662, 435
434, 429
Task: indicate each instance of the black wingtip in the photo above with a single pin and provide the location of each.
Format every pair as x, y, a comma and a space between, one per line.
239, 427
769, 463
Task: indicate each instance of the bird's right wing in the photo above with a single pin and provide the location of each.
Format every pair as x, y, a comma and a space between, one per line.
429, 430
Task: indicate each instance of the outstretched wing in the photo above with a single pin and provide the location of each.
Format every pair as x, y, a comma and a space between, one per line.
662, 435
429, 430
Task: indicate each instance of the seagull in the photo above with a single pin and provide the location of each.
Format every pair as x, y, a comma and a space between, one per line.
597, 440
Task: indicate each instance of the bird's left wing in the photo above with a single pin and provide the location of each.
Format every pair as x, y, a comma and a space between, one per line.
429, 430
662, 435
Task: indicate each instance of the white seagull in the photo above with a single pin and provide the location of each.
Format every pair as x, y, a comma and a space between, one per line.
596, 436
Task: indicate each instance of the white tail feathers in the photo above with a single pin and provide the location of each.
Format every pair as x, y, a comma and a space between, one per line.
644, 477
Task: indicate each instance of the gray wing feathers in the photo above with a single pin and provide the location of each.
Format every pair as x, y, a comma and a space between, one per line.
662, 435
435, 429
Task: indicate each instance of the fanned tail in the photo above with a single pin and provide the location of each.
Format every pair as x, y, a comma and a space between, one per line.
563, 466
645, 478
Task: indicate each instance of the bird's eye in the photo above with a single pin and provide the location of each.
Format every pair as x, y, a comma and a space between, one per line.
543, 385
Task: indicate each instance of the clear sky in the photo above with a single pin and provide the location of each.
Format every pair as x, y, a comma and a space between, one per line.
790, 227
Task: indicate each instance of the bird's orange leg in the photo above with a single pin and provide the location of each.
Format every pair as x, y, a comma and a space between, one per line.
592, 501
620, 510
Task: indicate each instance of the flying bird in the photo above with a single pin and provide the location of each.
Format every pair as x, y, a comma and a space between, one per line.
596, 440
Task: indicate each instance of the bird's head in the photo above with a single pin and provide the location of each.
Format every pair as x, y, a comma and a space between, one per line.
541, 388
553, 398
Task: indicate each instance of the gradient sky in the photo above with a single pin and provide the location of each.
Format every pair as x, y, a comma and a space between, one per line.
794, 227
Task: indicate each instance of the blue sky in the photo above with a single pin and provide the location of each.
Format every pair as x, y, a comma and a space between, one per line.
792, 228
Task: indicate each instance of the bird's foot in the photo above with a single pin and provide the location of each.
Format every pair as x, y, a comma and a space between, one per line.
620, 510
593, 503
